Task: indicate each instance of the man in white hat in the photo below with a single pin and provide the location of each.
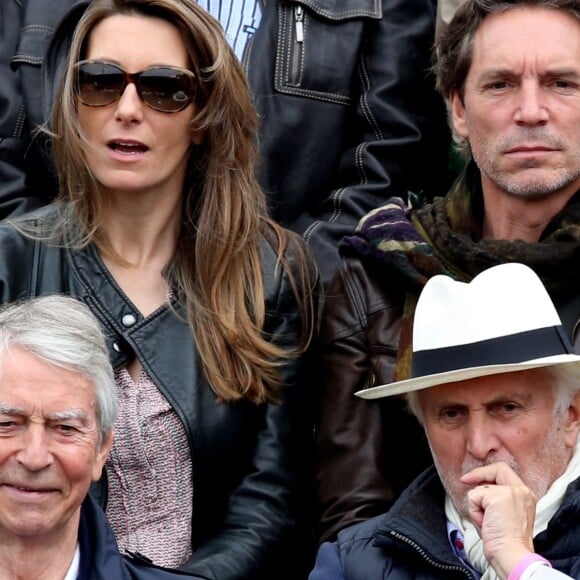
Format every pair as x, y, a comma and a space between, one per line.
496, 387
510, 71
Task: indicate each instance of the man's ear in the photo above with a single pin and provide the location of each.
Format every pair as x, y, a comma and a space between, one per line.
102, 454
572, 425
458, 115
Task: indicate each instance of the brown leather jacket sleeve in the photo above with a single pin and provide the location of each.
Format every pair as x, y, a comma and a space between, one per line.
367, 451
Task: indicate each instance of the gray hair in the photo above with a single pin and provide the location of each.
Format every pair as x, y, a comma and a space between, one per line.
63, 332
454, 51
565, 381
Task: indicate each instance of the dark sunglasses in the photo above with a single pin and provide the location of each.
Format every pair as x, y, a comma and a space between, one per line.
163, 88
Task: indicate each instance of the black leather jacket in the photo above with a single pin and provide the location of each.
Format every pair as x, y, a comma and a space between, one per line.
348, 112
250, 463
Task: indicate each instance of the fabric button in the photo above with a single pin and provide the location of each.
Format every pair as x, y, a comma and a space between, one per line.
128, 320
116, 347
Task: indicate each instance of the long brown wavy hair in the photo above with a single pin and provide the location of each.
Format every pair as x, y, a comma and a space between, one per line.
217, 266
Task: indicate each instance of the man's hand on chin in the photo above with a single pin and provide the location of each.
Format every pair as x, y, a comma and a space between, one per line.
503, 509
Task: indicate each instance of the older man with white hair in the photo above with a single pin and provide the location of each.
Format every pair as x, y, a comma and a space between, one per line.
58, 404
496, 386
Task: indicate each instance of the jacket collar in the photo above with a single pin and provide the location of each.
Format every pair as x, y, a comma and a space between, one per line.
417, 523
417, 520
160, 332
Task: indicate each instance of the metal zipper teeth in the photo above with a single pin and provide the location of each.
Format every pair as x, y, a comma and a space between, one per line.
426, 557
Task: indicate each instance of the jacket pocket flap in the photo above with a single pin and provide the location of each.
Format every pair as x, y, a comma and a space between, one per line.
344, 9
32, 46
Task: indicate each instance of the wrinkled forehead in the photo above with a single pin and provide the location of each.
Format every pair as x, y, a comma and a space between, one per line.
527, 385
33, 386
509, 39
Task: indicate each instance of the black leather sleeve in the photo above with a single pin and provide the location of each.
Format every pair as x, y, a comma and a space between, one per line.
12, 147
397, 137
27, 176
351, 116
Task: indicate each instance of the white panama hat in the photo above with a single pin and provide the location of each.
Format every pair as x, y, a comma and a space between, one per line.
502, 321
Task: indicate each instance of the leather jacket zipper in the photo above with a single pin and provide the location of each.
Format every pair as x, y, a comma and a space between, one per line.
428, 559
299, 23
296, 62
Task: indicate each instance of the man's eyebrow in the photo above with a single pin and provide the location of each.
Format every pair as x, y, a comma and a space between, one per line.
8, 409
65, 415
566, 72
497, 73
448, 404
562, 74
69, 414
503, 73
524, 398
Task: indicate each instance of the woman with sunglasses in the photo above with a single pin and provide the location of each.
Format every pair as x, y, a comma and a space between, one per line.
160, 227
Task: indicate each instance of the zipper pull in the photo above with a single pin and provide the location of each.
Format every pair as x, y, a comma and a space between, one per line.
299, 19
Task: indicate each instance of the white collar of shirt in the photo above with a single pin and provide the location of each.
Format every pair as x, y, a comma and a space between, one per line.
73, 571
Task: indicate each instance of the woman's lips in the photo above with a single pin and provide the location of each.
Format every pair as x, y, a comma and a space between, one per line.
126, 150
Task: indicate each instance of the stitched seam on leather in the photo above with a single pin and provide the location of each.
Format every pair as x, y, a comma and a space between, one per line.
336, 213
342, 13
308, 231
337, 199
20, 120
20, 58
280, 47
360, 163
38, 27
356, 297
283, 51
329, 97
29, 58
19, 125
368, 113
379, 305
350, 330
